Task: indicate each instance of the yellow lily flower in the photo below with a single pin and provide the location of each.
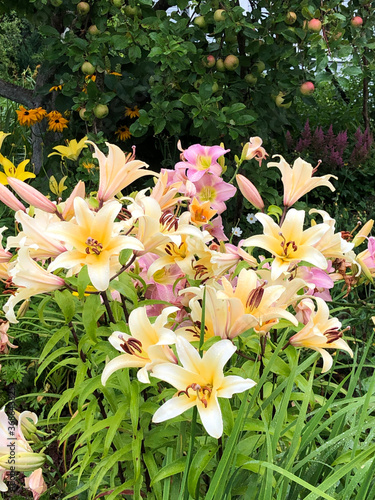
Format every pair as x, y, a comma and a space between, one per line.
2, 137
72, 150
321, 333
93, 239
289, 243
200, 382
298, 180
11, 170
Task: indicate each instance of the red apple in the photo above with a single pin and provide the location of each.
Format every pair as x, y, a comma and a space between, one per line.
307, 88
209, 61
314, 25
290, 18
231, 62
356, 22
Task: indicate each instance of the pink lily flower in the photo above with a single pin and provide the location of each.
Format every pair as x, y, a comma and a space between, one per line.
201, 159
213, 189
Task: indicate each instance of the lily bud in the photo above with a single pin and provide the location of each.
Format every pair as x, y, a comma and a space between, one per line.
22, 462
79, 190
250, 192
32, 195
363, 233
8, 198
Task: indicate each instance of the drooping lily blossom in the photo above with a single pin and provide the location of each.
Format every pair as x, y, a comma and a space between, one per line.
71, 151
298, 180
11, 170
321, 333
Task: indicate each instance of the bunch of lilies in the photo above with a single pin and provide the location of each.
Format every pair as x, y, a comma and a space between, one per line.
202, 286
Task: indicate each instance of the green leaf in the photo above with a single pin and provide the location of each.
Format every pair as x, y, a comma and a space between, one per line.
52, 357
92, 310
198, 464
159, 126
125, 256
134, 53
82, 281
56, 337
170, 470
49, 31
65, 301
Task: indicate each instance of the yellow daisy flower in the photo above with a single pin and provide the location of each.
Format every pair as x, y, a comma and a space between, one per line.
56, 121
123, 133
132, 112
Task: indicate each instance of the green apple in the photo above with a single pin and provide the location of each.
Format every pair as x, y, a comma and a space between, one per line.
118, 3
83, 8
87, 68
280, 100
215, 87
82, 112
260, 66
290, 18
219, 15
220, 65
200, 22
101, 111
93, 30
132, 11
251, 79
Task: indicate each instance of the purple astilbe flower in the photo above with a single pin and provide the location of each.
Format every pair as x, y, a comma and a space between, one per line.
289, 140
318, 141
335, 159
306, 138
362, 147
341, 142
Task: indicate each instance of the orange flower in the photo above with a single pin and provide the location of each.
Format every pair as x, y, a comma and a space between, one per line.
39, 113
56, 121
26, 117
201, 213
56, 88
123, 133
132, 112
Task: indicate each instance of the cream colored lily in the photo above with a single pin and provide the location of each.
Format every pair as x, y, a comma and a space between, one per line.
145, 347
11, 170
93, 240
117, 171
298, 180
31, 279
331, 244
257, 303
289, 243
200, 382
35, 235
71, 151
321, 333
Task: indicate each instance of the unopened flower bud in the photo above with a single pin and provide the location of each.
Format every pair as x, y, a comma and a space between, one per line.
22, 462
363, 233
250, 192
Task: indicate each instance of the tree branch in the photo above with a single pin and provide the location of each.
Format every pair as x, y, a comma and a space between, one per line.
17, 93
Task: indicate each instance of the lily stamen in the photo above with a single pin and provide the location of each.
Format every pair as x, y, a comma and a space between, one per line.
334, 334
201, 392
93, 246
255, 297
